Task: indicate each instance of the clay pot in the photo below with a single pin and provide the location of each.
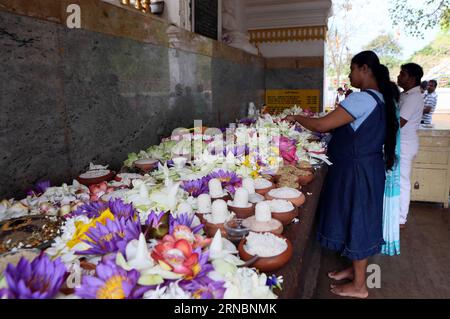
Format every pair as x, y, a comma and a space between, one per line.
276, 231
226, 198
286, 217
267, 264
146, 166
306, 179
96, 180
264, 191
243, 212
200, 216
297, 201
211, 229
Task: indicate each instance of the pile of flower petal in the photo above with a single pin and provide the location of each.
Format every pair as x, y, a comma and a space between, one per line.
138, 236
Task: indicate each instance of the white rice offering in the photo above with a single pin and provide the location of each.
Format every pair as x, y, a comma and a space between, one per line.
280, 206
255, 198
261, 183
285, 192
265, 244
95, 173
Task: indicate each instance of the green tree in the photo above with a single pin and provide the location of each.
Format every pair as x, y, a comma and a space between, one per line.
388, 49
418, 17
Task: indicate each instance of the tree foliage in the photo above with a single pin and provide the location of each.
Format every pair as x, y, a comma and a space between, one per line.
416, 19
385, 45
388, 49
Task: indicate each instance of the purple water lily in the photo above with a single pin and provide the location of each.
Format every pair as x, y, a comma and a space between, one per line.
111, 237
91, 210
230, 181
196, 187
183, 219
117, 207
205, 288
248, 121
111, 282
40, 279
120, 209
240, 150
39, 188
154, 219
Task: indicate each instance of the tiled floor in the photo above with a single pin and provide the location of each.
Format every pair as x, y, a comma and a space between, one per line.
422, 270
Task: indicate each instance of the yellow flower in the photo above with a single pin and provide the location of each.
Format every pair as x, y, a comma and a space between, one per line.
82, 228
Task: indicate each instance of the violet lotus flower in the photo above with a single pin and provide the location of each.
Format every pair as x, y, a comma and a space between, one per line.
248, 121
154, 219
183, 219
39, 188
40, 279
240, 150
111, 282
196, 187
111, 237
120, 209
205, 288
91, 210
230, 181
117, 207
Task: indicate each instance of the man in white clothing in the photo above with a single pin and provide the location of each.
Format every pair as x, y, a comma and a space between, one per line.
411, 109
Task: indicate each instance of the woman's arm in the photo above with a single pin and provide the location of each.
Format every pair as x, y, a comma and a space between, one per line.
334, 119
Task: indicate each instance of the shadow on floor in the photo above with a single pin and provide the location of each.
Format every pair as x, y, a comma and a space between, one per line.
422, 270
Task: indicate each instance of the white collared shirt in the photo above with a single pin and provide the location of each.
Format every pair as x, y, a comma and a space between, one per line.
411, 109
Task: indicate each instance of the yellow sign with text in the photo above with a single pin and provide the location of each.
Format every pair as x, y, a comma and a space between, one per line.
279, 100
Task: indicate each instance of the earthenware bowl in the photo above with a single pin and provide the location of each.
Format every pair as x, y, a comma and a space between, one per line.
267, 264
96, 180
264, 191
250, 221
306, 179
211, 229
146, 165
297, 201
286, 217
243, 212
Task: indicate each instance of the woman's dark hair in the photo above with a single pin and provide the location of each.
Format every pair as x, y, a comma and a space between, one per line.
395, 91
413, 70
382, 77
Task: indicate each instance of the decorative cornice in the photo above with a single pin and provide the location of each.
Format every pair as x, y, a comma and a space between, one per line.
286, 13
288, 34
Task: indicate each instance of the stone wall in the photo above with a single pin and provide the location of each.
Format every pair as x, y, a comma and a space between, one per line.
71, 96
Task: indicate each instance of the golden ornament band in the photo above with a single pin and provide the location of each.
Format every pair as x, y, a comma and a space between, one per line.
288, 34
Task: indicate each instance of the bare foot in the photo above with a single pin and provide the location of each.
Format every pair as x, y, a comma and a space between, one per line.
350, 290
347, 273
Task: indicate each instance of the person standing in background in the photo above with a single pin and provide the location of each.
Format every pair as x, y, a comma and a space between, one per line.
339, 97
411, 108
430, 101
423, 87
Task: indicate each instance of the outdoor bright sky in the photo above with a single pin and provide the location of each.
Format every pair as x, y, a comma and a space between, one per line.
370, 17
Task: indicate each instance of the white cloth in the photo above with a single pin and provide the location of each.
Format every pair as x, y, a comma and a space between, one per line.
408, 152
411, 109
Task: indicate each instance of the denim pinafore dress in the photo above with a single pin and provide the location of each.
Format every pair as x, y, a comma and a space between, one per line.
351, 203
